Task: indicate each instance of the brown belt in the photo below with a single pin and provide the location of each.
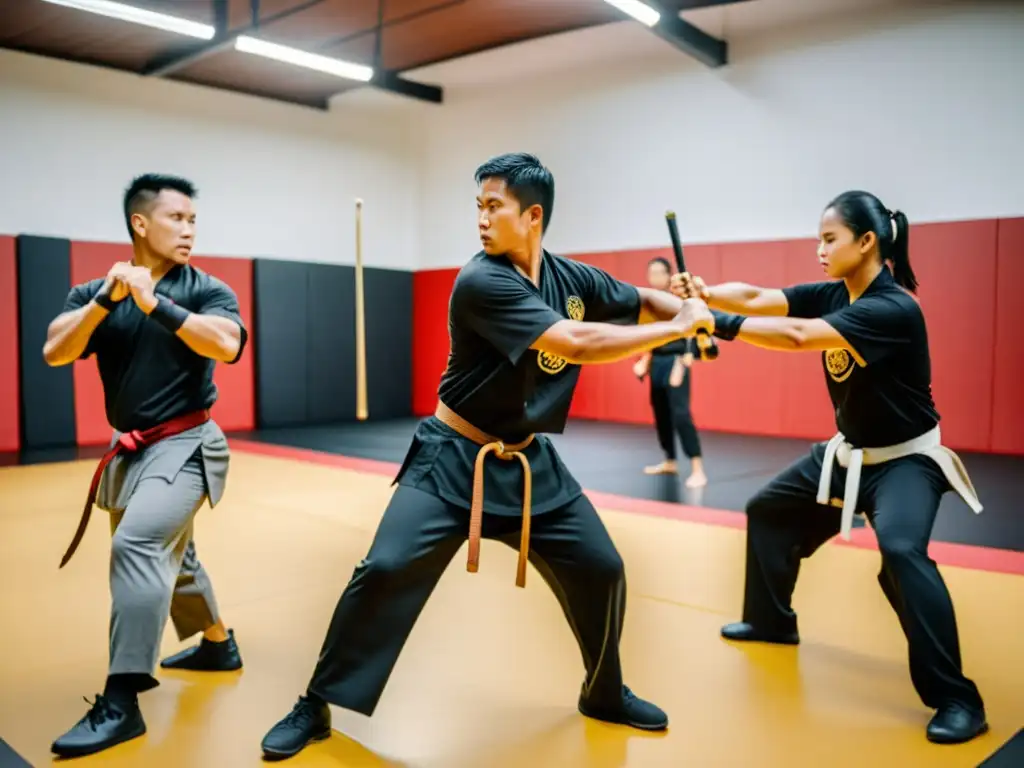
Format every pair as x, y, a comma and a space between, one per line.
493, 445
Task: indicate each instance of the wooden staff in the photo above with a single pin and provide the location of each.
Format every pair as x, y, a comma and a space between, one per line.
361, 408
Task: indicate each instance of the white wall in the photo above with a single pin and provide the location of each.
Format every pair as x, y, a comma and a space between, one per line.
274, 180
921, 102
923, 106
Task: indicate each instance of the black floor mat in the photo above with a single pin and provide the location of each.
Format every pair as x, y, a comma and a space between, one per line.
610, 458
1010, 755
11, 759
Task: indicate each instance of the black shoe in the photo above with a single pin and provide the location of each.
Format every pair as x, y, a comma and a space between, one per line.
308, 721
106, 724
744, 632
955, 724
633, 711
208, 656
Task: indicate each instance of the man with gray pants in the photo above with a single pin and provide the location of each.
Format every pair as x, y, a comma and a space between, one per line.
157, 326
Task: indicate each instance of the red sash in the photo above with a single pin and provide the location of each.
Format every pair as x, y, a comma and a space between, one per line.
131, 442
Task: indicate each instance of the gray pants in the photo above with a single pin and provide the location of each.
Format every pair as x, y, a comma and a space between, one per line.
154, 570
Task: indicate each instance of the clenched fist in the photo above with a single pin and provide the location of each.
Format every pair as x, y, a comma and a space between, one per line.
687, 286
695, 316
114, 287
139, 281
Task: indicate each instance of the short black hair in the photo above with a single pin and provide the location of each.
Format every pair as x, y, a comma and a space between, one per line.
526, 178
661, 260
144, 190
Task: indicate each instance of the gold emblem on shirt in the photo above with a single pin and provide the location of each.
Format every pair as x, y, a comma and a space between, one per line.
839, 364
574, 307
548, 362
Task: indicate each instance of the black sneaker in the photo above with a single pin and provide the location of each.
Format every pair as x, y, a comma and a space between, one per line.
208, 656
105, 725
633, 711
309, 721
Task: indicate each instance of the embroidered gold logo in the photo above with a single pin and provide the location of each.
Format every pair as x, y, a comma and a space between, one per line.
574, 307
548, 362
839, 364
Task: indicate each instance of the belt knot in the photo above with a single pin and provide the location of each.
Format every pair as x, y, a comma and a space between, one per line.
492, 445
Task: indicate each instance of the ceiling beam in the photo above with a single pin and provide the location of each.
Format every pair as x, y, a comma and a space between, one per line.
680, 33
690, 5
391, 81
692, 40
392, 22
387, 80
174, 61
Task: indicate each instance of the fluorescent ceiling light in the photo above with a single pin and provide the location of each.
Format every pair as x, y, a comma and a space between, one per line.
141, 16
639, 11
335, 67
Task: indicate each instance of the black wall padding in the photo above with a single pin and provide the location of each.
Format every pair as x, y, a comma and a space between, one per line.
280, 300
306, 350
331, 341
47, 394
388, 343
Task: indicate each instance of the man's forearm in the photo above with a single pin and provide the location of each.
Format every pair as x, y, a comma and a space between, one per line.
606, 343
658, 305
69, 334
211, 336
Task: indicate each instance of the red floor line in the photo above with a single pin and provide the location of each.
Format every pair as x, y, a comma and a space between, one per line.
961, 555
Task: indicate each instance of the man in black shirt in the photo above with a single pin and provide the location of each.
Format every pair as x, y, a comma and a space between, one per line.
521, 322
157, 327
892, 465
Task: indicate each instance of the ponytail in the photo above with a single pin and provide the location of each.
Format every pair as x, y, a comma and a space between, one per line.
897, 251
862, 212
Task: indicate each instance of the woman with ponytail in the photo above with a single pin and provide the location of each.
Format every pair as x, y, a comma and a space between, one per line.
886, 461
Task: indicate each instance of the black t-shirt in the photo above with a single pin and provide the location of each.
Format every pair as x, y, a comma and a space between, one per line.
498, 384
150, 375
889, 399
663, 359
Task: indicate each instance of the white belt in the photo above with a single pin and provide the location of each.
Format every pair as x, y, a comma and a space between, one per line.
929, 444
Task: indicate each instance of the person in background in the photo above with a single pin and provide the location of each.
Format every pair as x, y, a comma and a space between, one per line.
668, 368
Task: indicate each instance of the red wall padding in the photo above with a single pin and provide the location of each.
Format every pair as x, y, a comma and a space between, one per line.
89, 261
10, 396
236, 384
235, 408
956, 269
806, 408
968, 273
430, 293
1008, 371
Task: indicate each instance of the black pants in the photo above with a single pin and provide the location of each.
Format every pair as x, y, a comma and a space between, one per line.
671, 407
900, 498
417, 538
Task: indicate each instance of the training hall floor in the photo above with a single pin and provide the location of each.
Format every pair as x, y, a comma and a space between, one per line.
490, 676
